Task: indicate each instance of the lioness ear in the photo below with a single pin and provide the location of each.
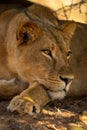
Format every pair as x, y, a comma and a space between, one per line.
27, 32
68, 29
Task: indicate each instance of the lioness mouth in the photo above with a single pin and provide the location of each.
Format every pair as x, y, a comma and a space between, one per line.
59, 94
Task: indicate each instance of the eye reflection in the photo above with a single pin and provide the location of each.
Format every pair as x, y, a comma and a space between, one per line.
68, 54
47, 52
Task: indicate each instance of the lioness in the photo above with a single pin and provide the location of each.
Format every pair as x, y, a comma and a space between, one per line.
34, 52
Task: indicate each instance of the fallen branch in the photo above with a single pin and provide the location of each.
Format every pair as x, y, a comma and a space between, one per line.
67, 9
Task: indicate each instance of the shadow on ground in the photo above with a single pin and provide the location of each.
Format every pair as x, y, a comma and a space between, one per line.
68, 114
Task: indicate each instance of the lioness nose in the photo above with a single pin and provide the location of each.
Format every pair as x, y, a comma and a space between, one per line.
67, 78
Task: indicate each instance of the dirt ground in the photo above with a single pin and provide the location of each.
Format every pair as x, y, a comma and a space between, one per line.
67, 114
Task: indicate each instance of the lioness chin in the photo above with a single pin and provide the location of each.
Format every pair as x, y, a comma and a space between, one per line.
34, 59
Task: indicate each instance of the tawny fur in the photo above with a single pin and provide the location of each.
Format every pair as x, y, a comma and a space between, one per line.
34, 51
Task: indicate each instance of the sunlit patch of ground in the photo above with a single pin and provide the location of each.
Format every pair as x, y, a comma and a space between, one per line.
68, 114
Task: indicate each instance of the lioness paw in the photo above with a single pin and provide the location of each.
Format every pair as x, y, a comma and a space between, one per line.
23, 105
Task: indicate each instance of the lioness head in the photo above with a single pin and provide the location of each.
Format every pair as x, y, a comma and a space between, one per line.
40, 52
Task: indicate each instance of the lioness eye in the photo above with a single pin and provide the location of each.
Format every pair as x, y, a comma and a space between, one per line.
68, 54
47, 52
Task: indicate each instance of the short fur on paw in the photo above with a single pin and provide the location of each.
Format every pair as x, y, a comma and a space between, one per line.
30, 101
23, 105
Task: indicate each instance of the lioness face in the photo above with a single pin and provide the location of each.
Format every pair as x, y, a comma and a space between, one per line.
42, 55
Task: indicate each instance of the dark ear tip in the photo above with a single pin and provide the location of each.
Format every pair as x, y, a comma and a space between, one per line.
67, 24
73, 23
68, 29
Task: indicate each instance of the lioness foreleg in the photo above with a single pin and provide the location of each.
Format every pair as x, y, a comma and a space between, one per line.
10, 88
30, 100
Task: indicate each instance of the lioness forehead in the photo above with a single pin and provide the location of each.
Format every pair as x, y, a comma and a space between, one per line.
39, 31
52, 32
52, 38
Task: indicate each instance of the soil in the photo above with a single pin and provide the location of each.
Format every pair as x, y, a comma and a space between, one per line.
67, 114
